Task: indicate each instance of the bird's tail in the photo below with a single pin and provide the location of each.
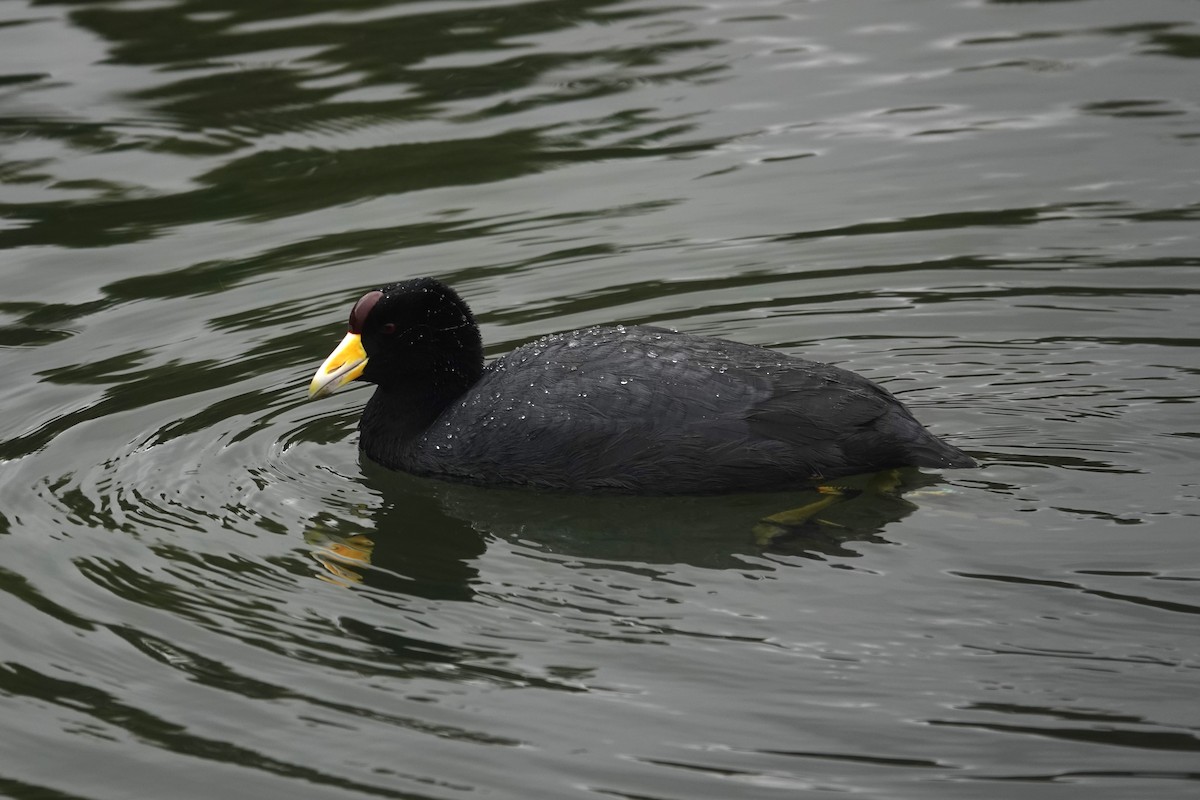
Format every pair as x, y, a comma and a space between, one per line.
931, 451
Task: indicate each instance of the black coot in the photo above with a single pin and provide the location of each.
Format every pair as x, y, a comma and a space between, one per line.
627, 409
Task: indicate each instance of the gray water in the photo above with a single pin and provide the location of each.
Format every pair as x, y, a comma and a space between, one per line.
989, 207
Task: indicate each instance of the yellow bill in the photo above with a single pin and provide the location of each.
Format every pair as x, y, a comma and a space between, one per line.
345, 363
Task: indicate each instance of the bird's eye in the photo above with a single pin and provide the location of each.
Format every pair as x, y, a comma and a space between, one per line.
387, 328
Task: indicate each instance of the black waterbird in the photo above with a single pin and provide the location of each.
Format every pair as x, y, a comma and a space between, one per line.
632, 409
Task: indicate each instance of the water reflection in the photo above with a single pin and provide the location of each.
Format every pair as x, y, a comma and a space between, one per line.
412, 545
425, 535
303, 110
987, 206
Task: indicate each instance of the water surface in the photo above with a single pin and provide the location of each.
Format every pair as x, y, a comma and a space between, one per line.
990, 207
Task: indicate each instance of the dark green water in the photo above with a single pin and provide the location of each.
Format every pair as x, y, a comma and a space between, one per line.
991, 207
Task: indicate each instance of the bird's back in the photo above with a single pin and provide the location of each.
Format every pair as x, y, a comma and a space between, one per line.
647, 410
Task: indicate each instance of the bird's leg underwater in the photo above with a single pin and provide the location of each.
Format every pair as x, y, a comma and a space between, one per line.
793, 522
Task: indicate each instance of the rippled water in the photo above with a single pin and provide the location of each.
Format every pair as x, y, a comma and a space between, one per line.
991, 207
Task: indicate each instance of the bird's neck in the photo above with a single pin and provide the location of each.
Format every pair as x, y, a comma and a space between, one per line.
396, 416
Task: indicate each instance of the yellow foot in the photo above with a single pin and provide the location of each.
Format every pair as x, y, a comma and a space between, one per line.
793, 521
770, 528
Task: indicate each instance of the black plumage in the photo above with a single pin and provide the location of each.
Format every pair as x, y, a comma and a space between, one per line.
628, 409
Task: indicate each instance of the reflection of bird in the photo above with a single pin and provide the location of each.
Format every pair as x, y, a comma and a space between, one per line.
341, 556
627, 409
